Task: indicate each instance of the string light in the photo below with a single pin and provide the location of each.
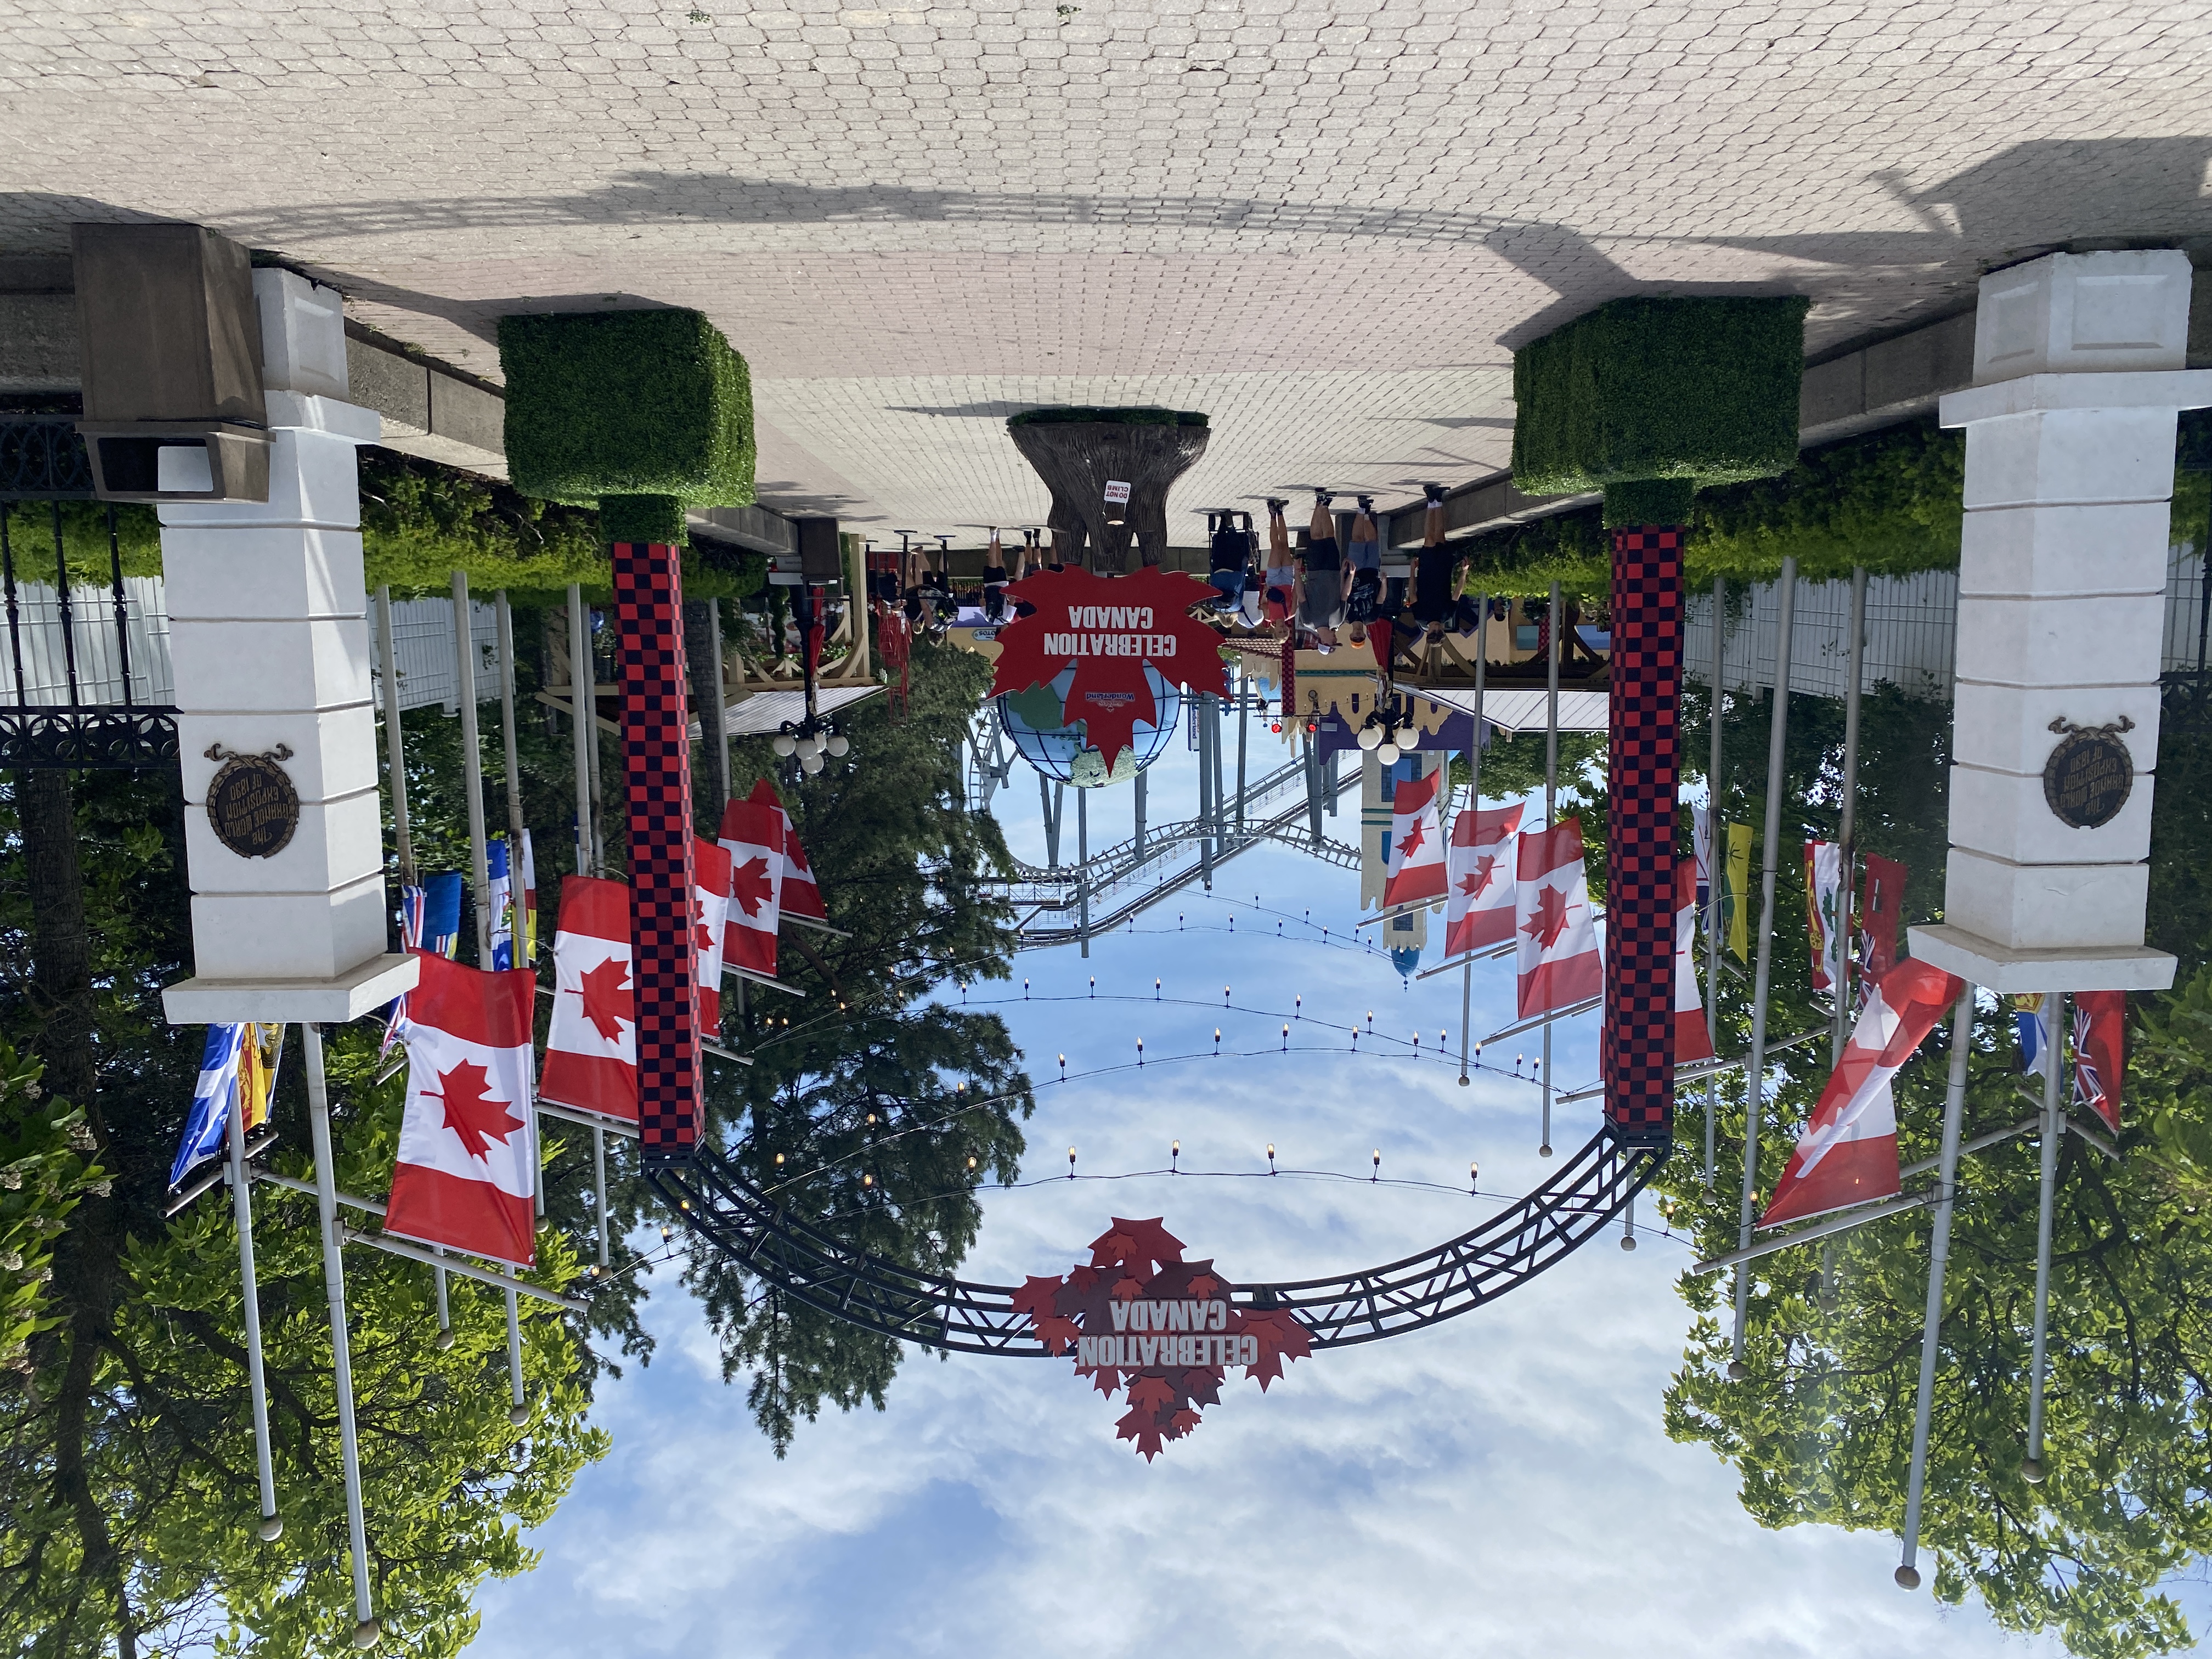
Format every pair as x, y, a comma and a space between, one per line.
779, 1164
1140, 1051
1156, 989
1094, 985
1225, 996
1063, 1068
1287, 1039
1216, 1042
1071, 1163
1025, 990
1174, 1156
1377, 1175
1474, 1175
867, 1180
1298, 1007
971, 1160
1271, 1157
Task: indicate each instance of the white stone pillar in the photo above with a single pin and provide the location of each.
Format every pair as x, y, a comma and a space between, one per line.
269, 637
2079, 378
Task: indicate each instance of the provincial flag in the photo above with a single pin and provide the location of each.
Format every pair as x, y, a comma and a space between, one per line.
209, 1124
752, 835
1735, 891
441, 912
412, 901
1479, 869
1824, 923
2034, 1035
1880, 907
500, 885
1559, 961
1848, 1153
2100, 1052
468, 1156
237, 1060
529, 915
710, 909
1701, 840
1414, 862
591, 1047
1692, 1041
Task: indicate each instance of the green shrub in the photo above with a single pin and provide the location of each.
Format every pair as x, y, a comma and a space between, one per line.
1142, 416
1701, 389
1890, 500
626, 403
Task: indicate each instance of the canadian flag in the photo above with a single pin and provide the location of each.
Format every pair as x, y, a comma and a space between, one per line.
1692, 1041
799, 895
591, 1048
1559, 960
752, 835
467, 1155
710, 907
1414, 860
1848, 1153
1479, 909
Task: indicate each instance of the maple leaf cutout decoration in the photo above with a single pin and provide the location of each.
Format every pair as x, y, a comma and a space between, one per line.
1182, 1424
1142, 1247
476, 1119
1038, 1297
1108, 620
1281, 1336
1152, 1394
749, 887
608, 999
1143, 1427
1550, 919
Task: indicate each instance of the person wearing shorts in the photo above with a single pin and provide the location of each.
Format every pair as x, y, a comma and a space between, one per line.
1321, 597
1229, 558
1433, 600
1282, 582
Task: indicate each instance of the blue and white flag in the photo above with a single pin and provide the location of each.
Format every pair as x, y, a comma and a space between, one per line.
500, 891
2034, 1038
441, 912
209, 1123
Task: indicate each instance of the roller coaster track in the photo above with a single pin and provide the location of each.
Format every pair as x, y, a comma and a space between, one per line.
808, 1262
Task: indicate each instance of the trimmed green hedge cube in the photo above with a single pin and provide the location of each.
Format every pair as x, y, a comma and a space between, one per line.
1700, 389
631, 404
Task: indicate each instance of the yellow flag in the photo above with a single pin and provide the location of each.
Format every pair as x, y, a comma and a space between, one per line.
1734, 904
258, 1054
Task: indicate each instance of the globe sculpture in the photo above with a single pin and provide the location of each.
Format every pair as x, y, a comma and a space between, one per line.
1064, 753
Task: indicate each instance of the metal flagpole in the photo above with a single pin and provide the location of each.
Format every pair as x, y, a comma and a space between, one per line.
2054, 1130
1847, 829
445, 1312
1939, 1256
241, 1204
1474, 805
518, 1412
599, 1174
1083, 867
505, 615
395, 747
717, 709
465, 666
1215, 708
1243, 729
1716, 857
583, 707
1204, 793
1140, 817
1755, 1062
365, 1629
1551, 812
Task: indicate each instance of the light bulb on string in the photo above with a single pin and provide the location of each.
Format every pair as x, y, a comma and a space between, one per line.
1071, 1163
1140, 1051
1216, 1042
1156, 989
1271, 1157
1094, 985
971, 1160
1377, 1175
1286, 1038
1474, 1175
1298, 1007
1174, 1156
1063, 1068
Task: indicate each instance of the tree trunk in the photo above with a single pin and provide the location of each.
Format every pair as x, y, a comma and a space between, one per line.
86, 1256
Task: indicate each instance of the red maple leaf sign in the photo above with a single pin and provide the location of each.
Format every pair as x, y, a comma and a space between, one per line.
1141, 1318
609, 1000
1109, 628
1551, 918
472, 1116
750, 886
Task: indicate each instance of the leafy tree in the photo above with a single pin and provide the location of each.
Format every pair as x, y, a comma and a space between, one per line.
128, 1505
1820, 1426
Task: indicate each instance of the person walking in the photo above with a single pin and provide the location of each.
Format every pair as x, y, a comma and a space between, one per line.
1322, 585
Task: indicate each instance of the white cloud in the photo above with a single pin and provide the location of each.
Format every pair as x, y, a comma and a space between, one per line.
1498, 1485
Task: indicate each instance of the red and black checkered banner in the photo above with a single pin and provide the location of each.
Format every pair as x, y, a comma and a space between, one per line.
1643, 782
656, 746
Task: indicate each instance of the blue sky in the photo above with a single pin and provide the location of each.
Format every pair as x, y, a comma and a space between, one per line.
1500, 1484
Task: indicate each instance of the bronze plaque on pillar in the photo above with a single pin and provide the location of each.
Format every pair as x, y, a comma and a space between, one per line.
2090, 775
251, 805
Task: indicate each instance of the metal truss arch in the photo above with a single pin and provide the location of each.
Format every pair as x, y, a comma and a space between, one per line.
808, 1262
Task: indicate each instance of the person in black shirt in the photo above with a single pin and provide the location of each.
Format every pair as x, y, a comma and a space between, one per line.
1229, 558
1321, 597
1432, 571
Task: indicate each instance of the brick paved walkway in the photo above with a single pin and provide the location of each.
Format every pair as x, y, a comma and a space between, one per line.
1326, 226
